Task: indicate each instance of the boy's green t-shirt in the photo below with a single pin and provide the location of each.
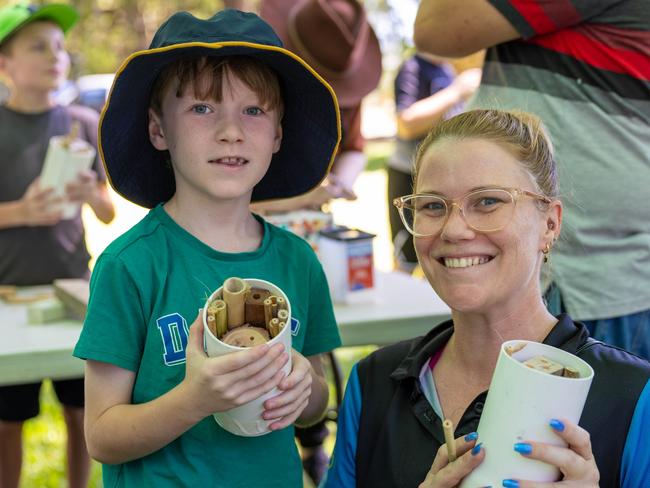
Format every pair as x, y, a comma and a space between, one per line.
146, 290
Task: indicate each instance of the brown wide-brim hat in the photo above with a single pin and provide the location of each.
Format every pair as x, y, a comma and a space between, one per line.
335, 38
311, 128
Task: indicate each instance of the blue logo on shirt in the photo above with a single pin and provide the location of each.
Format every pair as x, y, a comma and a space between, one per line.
174, 332
295, 326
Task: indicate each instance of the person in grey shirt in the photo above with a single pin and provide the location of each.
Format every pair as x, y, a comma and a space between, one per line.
583, 67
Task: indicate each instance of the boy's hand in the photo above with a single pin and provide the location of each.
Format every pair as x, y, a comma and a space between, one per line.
285, 408
39, 206
84, 189
221, 383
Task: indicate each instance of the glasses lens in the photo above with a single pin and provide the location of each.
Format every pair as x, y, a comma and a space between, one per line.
488, 210
424, 215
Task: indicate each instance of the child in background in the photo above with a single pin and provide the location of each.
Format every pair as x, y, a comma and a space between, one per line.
36, 245
213, 115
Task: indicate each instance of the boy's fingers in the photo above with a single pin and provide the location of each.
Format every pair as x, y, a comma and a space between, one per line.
262, 389
244, 365
195, 339
300, 370
263, 374
287, 421
291, 394
285, 407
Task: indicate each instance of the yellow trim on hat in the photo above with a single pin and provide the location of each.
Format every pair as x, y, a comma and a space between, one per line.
219, 45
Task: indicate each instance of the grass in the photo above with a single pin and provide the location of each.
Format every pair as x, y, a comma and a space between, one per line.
44, 447
378, 152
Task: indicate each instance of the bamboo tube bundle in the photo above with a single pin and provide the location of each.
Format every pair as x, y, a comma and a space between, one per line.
244, 314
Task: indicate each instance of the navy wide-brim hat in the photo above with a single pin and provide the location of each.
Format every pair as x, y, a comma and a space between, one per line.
310, 126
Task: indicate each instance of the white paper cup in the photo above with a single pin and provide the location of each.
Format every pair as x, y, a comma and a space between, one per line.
62, 165
520, 403
246, 420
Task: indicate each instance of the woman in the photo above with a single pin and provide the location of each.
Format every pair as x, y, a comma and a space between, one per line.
485, 216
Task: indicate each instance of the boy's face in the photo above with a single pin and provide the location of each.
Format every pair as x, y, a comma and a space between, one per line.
35, 57
219, 150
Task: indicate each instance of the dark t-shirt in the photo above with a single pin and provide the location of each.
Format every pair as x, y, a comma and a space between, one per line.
38, 255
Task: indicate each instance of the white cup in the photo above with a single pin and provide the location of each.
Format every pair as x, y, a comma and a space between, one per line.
519, 405
62, 165
246, 420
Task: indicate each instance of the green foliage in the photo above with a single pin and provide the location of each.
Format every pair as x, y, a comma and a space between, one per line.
110, 30
378, 153
44, 447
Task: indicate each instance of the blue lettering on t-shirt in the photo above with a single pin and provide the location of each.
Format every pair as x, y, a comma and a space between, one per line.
295, 326
174, 333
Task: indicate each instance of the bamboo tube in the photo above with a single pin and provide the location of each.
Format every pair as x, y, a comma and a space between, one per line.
221, 316
234, 294
268, 311
283, 315
212, 324
274, 327
72, 135
448, 429
274, 305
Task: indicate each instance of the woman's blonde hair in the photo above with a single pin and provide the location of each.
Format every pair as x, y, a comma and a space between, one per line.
522, 133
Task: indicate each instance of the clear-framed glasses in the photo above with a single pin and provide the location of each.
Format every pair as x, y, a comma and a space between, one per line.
486, 210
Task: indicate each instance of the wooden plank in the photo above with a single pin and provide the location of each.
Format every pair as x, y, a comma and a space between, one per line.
74, 294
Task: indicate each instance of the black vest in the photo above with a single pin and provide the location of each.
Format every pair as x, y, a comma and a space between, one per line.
399, 433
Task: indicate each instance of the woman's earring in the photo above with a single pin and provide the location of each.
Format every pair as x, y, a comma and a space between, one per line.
545, 251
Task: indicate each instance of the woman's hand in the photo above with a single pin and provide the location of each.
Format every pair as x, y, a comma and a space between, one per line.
445, 474
576, 461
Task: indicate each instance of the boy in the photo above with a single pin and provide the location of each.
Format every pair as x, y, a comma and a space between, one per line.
36, 245
213, 115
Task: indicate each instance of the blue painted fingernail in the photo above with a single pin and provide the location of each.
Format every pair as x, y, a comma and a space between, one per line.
557, 425
472, 436
523, 448
510, 484
476, 449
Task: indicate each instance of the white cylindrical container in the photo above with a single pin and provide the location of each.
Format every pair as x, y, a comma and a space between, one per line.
246, 420
520, 403
62, 165
347, 259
